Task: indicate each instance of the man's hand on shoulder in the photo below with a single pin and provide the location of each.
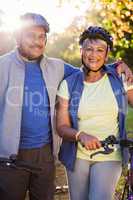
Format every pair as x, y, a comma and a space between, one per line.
122, 67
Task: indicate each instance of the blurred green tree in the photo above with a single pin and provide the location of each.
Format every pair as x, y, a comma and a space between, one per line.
65, 45
114, 15
117, 17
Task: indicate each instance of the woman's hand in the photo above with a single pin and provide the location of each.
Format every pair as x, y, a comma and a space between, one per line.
88, 141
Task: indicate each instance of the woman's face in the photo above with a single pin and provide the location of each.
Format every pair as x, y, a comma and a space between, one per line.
94, 53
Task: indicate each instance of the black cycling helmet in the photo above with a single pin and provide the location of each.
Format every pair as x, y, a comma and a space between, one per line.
96, 32
33, 19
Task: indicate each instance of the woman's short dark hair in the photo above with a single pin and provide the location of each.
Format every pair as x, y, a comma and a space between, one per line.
96, 32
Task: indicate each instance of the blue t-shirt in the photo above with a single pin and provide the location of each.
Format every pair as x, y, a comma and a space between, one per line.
35, 124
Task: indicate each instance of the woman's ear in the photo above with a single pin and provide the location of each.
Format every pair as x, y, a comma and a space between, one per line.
81, 52
107, 54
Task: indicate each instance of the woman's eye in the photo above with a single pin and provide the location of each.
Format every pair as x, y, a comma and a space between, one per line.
88, 49
101, 50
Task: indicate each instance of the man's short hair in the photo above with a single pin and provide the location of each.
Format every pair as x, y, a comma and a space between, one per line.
33, 19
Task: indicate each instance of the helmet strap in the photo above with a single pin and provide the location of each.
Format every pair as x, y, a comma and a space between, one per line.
86, 69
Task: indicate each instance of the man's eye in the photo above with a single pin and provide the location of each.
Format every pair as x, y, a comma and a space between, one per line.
31, 35
42, 36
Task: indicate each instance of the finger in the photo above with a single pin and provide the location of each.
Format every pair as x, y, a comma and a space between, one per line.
92, 146
98, 144
118, 70
89, 146
129, 80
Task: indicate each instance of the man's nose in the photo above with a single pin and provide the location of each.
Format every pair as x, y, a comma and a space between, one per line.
37, 39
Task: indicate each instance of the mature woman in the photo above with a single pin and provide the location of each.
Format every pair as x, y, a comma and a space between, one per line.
92, 106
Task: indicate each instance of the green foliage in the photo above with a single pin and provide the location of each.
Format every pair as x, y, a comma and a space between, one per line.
129, 128
65, 45
114, 15
118, 19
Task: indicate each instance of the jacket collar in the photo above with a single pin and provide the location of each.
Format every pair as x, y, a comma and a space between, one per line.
19, 59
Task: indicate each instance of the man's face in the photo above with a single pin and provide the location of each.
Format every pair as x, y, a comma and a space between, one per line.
94, 53
31, 42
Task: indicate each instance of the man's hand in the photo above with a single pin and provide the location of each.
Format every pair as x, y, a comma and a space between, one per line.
123, 68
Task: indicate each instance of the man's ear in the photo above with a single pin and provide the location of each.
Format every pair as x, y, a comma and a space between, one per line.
46, 40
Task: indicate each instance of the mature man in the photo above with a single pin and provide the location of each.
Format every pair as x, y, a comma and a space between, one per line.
28, 85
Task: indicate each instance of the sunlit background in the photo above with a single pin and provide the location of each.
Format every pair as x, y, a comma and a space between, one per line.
58, 16
67, 19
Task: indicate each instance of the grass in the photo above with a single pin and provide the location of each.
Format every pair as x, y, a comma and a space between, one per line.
129, 121
129, 128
